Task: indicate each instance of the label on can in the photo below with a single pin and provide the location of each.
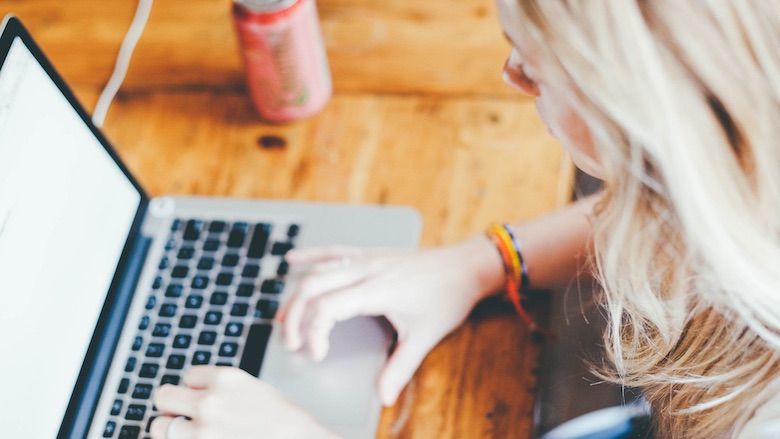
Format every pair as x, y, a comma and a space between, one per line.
284, 57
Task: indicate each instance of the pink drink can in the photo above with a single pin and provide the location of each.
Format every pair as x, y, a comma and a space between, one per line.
284, 56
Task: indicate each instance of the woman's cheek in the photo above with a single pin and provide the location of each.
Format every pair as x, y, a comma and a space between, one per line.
580, 144
569, 128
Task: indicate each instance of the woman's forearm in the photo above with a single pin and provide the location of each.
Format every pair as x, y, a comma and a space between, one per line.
555, 247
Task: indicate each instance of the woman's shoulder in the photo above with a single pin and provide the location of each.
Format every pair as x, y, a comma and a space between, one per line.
764, 423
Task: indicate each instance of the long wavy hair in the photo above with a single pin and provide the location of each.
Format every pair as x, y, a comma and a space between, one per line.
682, 100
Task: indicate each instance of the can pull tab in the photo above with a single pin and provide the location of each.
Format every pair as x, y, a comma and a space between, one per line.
162, 207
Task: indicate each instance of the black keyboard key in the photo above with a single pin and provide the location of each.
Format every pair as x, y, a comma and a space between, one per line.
224, 363
124, 384
206, 263
201, 357
186, 253
194, 301
212, 318
175, 225
170, 244
161, 330
224, 279
151, 302
180, 271
211, 245
272, 286
267, 308
155, 350
207, 338
239, 309
157, 283
200, 282
193, 230
175, 362
116, 407
254, 349
219, 298
110, 429
245, 290
182, 341
168, 310
137, 343
129, 432
188, 321
228, 350
237, 235
283, 268
234, 329
149, 370
174, 290
217, 227
293, 230
144, 323
164, 263
135, 412
259, 240
130, 365
142, 391
251, 271
230, 260
281, 248
170, 379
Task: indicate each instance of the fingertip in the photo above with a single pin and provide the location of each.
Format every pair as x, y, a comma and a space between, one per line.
317, 341
291, 330
387, 401
161, 395
304, 255
199, 376
292, 255
388, 394
288, 338
400, 368
319, 350
291, 343
159, 425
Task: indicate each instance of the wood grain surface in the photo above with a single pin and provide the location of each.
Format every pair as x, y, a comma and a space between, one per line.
419, 117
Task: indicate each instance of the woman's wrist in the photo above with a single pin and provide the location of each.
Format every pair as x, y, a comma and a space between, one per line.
488, 267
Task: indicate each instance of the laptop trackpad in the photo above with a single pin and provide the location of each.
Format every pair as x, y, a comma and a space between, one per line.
341, 390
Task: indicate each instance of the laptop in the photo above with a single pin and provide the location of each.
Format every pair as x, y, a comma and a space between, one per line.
105, 293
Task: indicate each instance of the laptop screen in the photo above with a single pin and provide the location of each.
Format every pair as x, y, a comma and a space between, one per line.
66, 210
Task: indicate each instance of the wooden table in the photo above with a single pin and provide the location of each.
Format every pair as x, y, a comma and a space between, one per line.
419, 117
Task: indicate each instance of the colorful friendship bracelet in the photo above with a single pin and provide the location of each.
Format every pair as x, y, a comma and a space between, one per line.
524, 282
514, 268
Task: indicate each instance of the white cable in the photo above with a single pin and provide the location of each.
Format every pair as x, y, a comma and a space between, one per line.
122, 61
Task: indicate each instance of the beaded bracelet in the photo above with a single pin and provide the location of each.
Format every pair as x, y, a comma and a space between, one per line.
514, 268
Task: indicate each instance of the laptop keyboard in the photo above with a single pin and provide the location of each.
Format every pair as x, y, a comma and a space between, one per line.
211, 302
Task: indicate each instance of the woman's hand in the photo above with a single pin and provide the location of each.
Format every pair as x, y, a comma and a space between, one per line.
424, 294
226, 402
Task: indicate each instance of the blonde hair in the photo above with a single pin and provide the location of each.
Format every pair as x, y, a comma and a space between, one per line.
682, 100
